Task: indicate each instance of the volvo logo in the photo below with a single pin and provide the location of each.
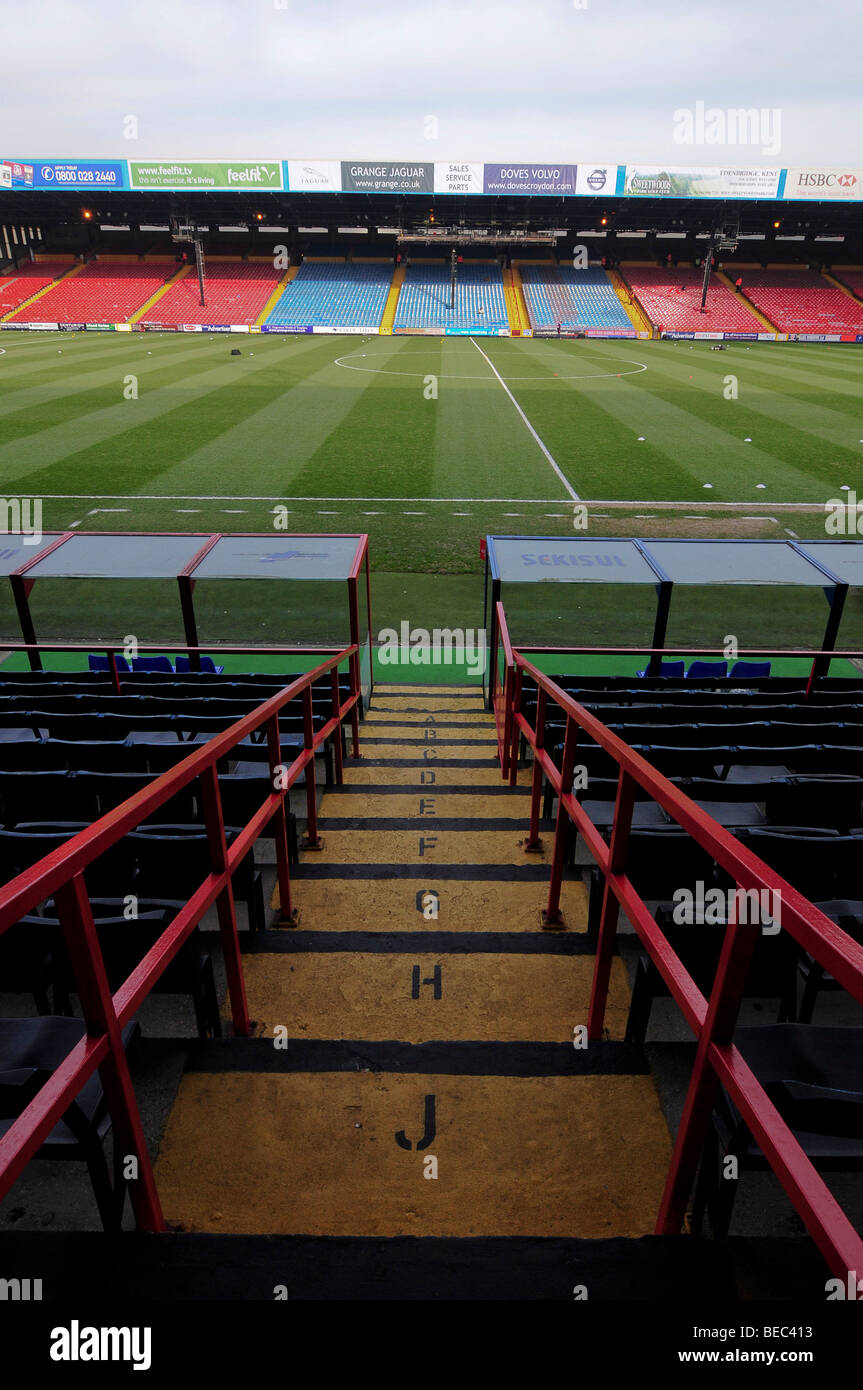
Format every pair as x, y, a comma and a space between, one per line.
596, 180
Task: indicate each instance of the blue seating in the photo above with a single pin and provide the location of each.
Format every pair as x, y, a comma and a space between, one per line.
101, 663
575, 299
207, 664
480, 307
701, 670
152, 663
675, 669
347, 294
751, 670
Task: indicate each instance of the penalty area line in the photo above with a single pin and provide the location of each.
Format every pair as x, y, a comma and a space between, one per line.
570, 489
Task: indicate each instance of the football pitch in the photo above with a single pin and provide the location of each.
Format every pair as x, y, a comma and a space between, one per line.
428, 444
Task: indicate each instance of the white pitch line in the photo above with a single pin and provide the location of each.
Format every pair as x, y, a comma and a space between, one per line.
220, 497
573, 494
789, 532
432, 501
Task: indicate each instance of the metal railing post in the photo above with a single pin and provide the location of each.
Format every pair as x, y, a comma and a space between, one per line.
610, 906
334, 687
516, 710
311, 840
734, 961
551, 916
534, 843
225, 905
288, 915
97, 1005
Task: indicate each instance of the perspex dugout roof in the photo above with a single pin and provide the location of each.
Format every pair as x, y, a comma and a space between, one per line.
186, 557
832, 566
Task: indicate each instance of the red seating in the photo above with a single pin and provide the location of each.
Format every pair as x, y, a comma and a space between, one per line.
235, 292
100, 293
672, 298
31, 278
802, 301
853, 279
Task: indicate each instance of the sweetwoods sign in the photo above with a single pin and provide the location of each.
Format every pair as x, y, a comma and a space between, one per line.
654, 181
387, 177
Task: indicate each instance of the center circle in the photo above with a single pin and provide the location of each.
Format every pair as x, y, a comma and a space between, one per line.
459, 376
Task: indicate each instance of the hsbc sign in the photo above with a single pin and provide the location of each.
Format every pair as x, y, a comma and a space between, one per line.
829, 185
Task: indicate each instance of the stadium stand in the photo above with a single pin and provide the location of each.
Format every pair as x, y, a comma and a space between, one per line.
235, 291
852, 278
100, 293
572, 298
672, 298
479, 299
349, 294
802, 301
27, 280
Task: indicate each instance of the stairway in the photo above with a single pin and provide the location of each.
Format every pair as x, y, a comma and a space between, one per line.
633, 309
393, 293
725, 279
40, 294
284, 281
426, 1111
516, 308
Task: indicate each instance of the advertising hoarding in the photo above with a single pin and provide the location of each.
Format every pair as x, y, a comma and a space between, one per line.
98, 174
263, 175
529, 178
386, 177
658, 181
313, 175
591, 180
823, 185
458, 178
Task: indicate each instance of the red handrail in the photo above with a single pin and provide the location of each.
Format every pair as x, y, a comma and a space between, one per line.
61, 874
712, 1021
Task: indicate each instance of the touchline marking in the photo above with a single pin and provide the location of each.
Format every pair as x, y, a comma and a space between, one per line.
431, 501
220, 497
573, 494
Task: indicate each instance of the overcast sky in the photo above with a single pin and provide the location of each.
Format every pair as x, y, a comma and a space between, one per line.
505, 81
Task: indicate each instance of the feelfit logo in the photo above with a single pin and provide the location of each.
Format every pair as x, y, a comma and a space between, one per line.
77, 1343
596, 180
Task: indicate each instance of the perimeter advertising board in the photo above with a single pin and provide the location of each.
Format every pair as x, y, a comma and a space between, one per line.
657, 181
313, 175
63, 173
823, 185
262, 175
537, 179
458, 178
386, 177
